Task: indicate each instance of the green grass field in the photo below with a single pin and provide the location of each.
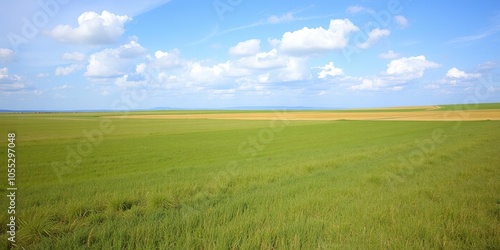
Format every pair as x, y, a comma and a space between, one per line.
86, 182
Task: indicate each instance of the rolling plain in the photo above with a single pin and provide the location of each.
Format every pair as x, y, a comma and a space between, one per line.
407, 178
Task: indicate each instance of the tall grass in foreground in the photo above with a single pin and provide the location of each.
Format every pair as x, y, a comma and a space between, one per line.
183, 184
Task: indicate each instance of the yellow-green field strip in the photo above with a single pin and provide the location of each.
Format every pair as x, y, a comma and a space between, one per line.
455, 115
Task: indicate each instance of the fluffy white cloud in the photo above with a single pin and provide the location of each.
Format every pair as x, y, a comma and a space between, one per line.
4, 75
112, 63
166, 60
410, 67
378, 83
399, 73
389, 55
140, 75
316, 40
92, 29
11, 83
202, 74
263, 60
455, 76
245, 48
62, 71
295, 70
199, 74
368, 84
272, 66
261, 69
263, 78
329, 70
401, 21
132, 80
6, 55
75, 56
373, 37
456, 73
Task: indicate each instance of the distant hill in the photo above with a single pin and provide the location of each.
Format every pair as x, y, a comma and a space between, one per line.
441, 108
167, 108
276, 107
58, 111
248, 108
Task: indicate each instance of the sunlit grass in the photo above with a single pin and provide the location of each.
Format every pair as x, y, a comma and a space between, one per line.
189, 184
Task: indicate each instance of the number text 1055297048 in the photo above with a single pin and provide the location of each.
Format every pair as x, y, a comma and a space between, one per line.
11, 178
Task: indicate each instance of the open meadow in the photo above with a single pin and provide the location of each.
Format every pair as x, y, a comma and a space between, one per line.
414, 178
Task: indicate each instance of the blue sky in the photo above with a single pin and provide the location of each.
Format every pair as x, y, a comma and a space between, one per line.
64, 54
